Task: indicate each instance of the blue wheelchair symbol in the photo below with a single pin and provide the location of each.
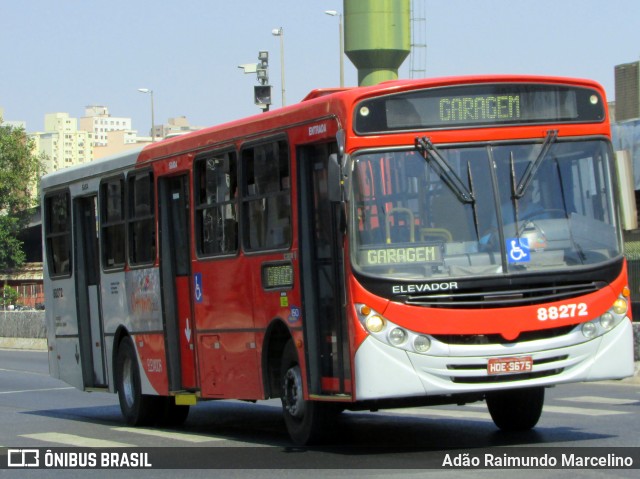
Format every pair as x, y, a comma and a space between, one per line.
197, 292
518, 250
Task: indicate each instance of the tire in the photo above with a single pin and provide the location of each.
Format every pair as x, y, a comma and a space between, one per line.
138, 409
516, 409
308, 422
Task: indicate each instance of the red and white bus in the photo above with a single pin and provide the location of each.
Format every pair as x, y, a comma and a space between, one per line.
407, 244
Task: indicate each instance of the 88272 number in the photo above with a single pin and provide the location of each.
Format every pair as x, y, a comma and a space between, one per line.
563, 311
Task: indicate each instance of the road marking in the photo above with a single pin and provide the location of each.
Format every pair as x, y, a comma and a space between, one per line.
600, 400
580, 411
35, 390
23, 372
454, 414
73, 440
177, 436
464, 413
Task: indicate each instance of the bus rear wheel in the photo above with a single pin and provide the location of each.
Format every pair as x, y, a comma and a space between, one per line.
516, 409
307, 421
138, 409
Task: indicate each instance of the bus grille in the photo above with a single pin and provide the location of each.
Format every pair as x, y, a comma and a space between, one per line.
477, 339
508, 297
482, 378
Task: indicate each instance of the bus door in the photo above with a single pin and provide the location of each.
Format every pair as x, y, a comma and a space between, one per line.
175, 271
322, 276
87, 274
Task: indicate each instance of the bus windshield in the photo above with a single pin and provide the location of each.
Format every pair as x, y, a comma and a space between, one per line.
527, 207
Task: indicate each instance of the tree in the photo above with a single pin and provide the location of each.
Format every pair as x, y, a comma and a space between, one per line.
20, 168
9, 296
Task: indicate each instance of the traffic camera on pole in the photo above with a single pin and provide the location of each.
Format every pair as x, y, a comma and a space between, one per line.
262, 92
262, 68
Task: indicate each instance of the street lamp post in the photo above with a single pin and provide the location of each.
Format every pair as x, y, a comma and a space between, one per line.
279, 32
334, 13
153, 131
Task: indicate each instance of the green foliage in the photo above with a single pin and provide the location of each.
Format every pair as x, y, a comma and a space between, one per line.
9, 296
19, 168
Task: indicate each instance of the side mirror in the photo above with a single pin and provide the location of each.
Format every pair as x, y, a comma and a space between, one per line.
627, 198
341, 137
334, 179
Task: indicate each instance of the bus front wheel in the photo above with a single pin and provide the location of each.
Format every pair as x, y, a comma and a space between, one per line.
138, 409
306, 421
516, 409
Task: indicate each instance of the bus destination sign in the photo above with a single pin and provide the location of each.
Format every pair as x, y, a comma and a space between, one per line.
277, 275
479, 105
480, 108
426, 254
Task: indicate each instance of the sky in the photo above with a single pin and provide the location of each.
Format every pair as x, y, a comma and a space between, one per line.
60, 56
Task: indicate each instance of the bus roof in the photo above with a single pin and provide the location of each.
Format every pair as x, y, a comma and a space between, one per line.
93, 168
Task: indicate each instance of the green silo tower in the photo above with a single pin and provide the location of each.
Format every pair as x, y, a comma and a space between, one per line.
377, 37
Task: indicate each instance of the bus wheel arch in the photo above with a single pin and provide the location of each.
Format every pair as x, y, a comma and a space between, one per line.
137, 409
120, 333
308, 422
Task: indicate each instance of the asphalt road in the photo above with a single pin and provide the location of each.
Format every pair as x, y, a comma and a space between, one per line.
37, 411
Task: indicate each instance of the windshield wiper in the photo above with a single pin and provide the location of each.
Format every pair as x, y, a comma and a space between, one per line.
532, 168
474, 206
444, 170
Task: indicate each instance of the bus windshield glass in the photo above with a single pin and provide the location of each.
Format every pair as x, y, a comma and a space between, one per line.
410, 222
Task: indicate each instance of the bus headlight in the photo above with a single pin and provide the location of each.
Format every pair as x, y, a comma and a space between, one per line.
374, 323
620, 306
391, 334
397, 336
607, 321
421, 344
589, 330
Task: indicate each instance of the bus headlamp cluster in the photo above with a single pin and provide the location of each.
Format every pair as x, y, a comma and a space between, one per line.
389, 333
607, 321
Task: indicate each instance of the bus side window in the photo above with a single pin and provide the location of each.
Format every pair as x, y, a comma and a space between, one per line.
141, 221
216, 204
58, 234
266, 198
112, 224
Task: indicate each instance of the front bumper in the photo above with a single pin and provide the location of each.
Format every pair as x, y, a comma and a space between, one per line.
382, 371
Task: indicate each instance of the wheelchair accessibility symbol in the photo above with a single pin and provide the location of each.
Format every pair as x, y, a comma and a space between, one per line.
197, 290
518, 250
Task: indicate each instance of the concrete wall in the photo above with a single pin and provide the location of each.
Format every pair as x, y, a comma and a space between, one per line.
22, 324
23, 330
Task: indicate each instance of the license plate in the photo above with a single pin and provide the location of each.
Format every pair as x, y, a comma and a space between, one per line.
517, 365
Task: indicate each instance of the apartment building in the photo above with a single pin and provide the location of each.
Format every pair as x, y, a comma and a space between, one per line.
175, 126
99, 122
62, 142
